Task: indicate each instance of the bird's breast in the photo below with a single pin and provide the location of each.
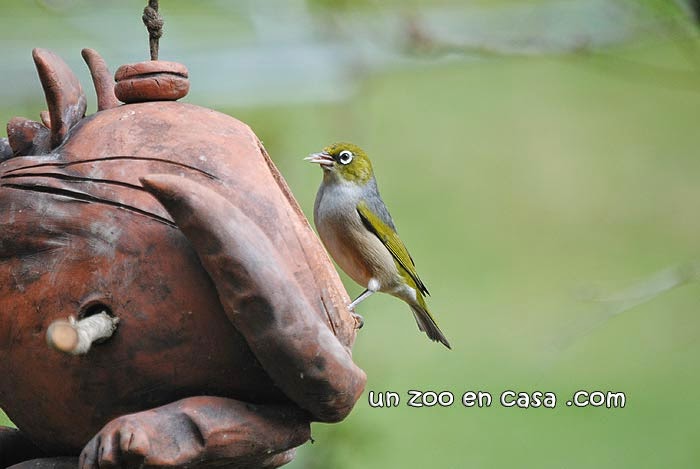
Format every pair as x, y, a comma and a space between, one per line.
354, 248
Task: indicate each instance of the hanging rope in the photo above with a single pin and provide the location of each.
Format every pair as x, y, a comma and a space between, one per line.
154, 23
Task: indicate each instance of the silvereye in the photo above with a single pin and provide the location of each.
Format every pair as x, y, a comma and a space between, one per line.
358, 232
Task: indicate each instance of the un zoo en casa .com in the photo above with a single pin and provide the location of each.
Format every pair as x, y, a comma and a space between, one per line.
509, 398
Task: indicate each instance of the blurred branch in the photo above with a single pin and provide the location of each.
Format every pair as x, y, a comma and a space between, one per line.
687, 80
626, 299
651, 287
418, 40
695, 9
673, 21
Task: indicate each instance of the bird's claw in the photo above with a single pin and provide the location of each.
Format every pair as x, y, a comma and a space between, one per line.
359, 320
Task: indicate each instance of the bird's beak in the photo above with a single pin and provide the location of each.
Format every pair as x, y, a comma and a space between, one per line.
324, 159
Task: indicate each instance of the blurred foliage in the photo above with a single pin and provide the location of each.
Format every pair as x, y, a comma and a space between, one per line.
337, 5
534, 193
529, 190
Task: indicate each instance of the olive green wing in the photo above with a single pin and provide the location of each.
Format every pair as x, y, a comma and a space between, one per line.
388, 236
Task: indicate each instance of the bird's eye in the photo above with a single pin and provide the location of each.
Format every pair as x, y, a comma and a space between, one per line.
345, 157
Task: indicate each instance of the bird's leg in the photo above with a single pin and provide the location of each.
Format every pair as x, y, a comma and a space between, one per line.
365, 294
359, 319
372, 287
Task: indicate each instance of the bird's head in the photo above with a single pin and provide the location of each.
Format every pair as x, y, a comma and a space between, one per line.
343, 162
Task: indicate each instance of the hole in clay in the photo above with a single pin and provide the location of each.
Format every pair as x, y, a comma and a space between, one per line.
93, 308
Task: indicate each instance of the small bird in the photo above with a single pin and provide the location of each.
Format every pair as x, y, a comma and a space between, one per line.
358, 232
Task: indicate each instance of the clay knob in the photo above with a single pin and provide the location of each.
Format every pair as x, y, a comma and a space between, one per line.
154, 80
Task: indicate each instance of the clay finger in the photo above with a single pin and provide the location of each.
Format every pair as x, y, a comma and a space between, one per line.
109, 451
102, 79
64, 95
263, 299
88, 457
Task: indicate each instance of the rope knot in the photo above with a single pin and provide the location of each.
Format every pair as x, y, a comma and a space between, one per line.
154, 23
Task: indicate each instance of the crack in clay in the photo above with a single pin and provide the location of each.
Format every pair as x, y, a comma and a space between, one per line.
113, 158
68, 177
86, 198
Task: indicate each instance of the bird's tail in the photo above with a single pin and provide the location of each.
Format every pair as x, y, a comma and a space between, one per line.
426, 322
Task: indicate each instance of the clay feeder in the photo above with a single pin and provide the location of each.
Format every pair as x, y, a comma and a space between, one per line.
168, 224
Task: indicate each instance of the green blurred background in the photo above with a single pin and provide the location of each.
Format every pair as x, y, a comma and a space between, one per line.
540, 159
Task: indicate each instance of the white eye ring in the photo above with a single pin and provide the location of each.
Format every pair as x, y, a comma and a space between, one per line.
345, 156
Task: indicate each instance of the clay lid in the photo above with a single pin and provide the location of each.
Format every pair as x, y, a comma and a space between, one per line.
155, 80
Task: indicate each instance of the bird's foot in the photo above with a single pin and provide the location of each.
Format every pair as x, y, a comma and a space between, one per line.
359, 321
